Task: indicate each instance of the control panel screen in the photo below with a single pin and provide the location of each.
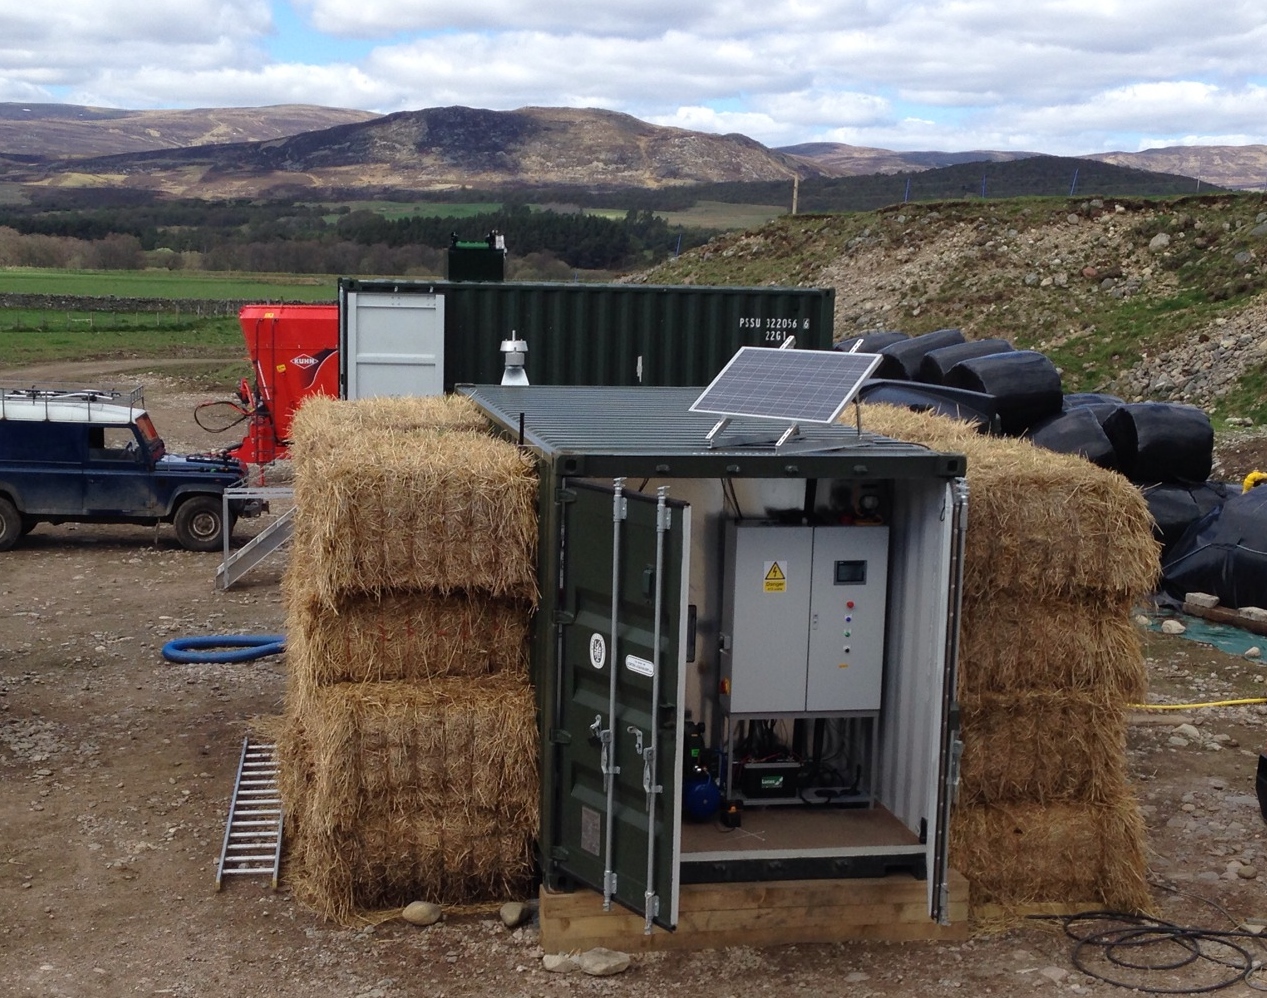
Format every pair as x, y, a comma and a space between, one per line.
851, 573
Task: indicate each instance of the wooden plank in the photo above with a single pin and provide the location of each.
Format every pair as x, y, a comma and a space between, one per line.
1223, 615
798, 893
766, 914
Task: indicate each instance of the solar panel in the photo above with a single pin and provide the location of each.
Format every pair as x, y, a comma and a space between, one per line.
809, 385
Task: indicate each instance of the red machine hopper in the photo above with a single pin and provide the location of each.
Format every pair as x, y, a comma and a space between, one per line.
294, 350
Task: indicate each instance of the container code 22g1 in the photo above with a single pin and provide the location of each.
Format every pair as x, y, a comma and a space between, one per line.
775, 330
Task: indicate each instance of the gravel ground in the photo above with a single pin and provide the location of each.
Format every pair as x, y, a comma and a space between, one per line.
116, 769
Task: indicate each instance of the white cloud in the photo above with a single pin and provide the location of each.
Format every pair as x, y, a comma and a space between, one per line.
1048, 75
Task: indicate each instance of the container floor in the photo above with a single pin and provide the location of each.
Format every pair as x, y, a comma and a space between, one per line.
777, 832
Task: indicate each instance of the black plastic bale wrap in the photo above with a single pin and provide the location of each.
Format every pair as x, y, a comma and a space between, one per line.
871, 342
1224, 553
1024, 383
1078, 400
1162, 442
970, 407
1177, 507
902, 359
933, 368
1077, 432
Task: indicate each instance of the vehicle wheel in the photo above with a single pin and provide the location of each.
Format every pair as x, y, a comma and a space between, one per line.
10, 525
199, 522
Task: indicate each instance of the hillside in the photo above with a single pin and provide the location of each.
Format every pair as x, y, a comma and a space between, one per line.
437, 148
1151, 299
59, 131
1220, 166
852, 161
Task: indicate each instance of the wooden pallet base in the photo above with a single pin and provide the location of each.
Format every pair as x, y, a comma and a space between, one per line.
892, 909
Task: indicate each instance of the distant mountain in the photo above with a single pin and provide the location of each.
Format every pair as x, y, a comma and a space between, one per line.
62, 131
855, 161
1221, 166
439, 148
1226, 166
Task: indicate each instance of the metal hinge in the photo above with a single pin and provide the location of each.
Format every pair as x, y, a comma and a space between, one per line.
560, 736
563, 617
562, 496
609, 883
560, 853
952, 771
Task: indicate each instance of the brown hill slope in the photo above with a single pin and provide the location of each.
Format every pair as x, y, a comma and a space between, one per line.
441, 148
1225, 166
59, 131
843, 160
1163, 299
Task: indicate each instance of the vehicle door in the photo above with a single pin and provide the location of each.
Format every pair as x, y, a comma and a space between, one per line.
117, 475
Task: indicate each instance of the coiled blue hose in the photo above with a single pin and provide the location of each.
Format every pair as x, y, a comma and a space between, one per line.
243, 648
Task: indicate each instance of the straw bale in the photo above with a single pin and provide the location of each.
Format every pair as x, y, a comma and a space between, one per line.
394, 858
1026, 854
409, 637
1041, 748
1010, 645
323, 424
295, 772
459, 745
1040, 523
443, 512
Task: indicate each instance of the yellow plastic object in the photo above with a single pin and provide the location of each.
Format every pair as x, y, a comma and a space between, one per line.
1253, 480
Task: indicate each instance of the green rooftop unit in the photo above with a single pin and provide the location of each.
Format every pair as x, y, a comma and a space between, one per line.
778, 619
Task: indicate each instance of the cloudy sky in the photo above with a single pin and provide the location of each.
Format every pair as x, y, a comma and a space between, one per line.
1056, 76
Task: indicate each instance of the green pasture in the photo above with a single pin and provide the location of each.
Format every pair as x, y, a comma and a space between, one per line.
29, 336
393, 210
168, 284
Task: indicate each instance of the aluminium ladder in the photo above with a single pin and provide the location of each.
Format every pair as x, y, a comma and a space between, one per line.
253, 833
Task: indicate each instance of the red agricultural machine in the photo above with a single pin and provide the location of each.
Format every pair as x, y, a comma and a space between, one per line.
294, 351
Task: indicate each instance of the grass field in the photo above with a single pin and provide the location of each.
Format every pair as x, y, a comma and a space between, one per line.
168, 284
29, 337
709, 215
401, 209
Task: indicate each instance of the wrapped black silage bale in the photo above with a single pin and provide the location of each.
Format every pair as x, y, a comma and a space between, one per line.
1077, 432
969, 407
902, 359
1162, 442
1177, 507
1024, 383
871, 342
1224, 553
1078, 400
933, 368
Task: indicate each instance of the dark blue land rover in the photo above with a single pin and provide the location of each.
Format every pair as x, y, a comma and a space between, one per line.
93, 456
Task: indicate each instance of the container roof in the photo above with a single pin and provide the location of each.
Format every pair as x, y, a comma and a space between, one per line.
651, 431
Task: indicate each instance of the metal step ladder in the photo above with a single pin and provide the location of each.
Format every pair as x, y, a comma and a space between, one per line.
263, 544
253, 833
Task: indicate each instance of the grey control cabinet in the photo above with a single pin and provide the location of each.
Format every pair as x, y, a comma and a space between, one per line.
803, 618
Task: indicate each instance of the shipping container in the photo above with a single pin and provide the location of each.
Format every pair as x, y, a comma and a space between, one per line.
407, 337
745, 664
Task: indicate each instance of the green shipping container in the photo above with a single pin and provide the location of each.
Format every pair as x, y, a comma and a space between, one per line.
583, 334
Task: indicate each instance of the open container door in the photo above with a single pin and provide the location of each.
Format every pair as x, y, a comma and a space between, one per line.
622, 638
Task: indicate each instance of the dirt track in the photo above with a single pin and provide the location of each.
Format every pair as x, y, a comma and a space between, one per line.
116, 769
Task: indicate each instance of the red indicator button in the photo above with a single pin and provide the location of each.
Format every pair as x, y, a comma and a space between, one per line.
849, 604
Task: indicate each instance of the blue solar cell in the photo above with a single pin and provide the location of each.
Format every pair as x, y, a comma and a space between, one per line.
808, 385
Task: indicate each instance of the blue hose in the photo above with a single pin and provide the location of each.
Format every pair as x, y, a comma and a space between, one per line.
246, 648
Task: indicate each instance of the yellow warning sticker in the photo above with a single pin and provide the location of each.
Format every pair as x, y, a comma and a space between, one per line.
775, 577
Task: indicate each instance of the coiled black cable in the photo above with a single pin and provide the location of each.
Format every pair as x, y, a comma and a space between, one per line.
1154, 946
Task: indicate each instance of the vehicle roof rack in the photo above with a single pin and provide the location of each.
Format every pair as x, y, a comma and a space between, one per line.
133, 397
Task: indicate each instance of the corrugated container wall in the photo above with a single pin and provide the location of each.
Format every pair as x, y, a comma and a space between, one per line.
611, 334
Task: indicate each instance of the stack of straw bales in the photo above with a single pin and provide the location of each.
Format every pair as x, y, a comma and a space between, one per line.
409, 747
1057, 552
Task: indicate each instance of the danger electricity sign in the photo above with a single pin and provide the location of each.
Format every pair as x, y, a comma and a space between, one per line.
775, 577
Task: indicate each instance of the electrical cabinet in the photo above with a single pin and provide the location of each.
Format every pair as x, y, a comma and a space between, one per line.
803, 618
